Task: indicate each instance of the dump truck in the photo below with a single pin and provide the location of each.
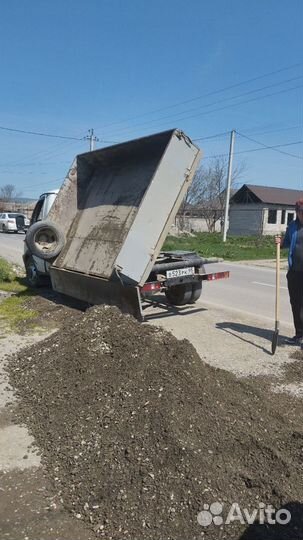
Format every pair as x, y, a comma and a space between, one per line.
99, 237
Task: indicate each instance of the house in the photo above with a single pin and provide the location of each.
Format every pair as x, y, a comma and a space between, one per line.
261, 210
206, 216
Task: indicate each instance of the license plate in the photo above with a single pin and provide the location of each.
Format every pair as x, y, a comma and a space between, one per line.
179, 272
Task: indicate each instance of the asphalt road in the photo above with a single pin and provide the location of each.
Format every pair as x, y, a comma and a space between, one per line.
11, 247
250, 290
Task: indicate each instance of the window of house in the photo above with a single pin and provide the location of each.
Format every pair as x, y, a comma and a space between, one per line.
283, 215
272, 217
290, 217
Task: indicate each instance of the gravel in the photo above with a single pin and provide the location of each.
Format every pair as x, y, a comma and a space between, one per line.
137, 433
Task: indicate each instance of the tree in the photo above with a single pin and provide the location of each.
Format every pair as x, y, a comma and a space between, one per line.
206, 195
192, 198
8, 193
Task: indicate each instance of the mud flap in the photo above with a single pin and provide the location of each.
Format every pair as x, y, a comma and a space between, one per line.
95, 290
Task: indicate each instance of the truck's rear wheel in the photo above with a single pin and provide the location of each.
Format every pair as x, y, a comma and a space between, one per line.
33, 278
179, 295
196, 291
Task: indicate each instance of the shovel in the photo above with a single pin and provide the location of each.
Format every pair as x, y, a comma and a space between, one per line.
277, 306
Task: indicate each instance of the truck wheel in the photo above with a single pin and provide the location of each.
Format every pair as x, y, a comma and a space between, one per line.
196, 291
33, 277
179, 295
45, 240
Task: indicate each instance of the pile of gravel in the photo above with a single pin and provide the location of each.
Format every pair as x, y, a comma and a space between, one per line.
137, 433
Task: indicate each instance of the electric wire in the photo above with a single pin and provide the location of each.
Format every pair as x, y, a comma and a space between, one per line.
223, 100
208, 94
38, 133
275, 148
54, 151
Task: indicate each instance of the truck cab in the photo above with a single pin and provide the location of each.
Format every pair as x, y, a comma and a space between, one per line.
43, 205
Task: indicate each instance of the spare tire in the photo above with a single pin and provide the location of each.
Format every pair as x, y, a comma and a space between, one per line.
45, 239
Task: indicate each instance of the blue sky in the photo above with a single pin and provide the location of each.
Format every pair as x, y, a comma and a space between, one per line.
205, 67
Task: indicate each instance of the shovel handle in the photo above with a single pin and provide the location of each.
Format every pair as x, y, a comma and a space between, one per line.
277, 306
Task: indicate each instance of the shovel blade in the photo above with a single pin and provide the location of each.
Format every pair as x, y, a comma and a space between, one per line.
274, 341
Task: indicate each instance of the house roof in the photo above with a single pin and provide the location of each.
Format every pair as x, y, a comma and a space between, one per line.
250, 193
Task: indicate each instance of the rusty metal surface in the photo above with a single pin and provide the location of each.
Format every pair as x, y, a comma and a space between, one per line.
117, 203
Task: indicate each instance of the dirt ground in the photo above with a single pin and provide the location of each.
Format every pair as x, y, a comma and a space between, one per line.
261, 391
29, 509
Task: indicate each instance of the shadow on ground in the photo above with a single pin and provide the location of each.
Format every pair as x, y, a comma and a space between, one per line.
158, 302
238, 329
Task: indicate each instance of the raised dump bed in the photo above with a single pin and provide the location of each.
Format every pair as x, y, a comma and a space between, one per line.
103, 234
116, 207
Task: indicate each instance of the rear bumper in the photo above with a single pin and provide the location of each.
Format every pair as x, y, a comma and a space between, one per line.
152, 287
13, 228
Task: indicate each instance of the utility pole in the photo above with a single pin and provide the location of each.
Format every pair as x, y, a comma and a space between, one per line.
92, 139
228, 183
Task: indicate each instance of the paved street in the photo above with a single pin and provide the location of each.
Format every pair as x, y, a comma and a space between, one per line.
250, 290
11, 247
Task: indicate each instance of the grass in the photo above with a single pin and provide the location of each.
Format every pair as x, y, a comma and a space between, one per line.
7, 274
236, 248
13, 310
9, 280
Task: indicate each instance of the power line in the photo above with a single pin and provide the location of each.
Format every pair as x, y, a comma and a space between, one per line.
40, 134
230, 105
44, 154
259, 149
211, 136
4, 128
243, 102
52, 154
29, 187
176, 115
198, 138
265, 147
275, 148
275, 130
208, 94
